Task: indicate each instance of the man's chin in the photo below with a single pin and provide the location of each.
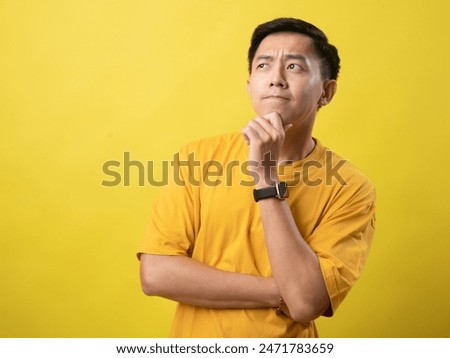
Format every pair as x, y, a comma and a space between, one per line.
282, 115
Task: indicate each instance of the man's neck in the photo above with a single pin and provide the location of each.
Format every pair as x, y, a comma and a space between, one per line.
297, 145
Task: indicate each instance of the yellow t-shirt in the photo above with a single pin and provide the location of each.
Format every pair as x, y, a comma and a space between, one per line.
214, 219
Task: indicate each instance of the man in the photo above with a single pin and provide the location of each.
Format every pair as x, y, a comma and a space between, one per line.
263, 255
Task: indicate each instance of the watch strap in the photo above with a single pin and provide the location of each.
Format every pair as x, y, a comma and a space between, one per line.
279, 191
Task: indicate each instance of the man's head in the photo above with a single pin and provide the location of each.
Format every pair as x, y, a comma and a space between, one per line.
326, 52
293, 71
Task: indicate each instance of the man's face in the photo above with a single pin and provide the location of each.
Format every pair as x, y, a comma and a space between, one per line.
286, 78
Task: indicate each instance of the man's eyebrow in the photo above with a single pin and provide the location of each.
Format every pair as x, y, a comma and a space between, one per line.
264, 57
289, 56
293, 56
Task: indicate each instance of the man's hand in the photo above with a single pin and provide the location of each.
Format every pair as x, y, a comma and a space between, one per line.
285, 309
265, 135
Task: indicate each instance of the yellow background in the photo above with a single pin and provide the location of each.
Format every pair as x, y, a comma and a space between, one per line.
82, 82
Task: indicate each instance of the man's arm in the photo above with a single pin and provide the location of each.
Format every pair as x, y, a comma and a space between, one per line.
295, 265
185, 280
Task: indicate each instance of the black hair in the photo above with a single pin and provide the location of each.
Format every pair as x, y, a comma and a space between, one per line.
326, 52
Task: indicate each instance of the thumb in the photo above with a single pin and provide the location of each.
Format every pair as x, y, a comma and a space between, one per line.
286, 127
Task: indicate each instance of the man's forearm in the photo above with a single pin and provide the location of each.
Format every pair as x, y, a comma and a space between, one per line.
295, 265
188, 281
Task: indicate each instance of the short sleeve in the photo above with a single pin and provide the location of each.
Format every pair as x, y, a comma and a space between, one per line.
174, 219
342, 242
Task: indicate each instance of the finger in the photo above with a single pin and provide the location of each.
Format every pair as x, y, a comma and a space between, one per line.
249, 134
247, 140
275, 120
288, 126
274, 133
261, 129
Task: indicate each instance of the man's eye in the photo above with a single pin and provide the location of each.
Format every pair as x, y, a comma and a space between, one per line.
293, 66
262, 65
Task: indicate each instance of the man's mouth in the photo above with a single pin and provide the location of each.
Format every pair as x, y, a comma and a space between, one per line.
276, 97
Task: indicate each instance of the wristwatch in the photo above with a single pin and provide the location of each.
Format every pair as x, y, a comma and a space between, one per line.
279, 191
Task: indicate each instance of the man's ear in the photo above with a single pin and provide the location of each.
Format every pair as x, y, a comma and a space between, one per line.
328, 92
248, 86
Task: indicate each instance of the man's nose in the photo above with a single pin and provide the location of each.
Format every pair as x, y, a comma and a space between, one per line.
278, 79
